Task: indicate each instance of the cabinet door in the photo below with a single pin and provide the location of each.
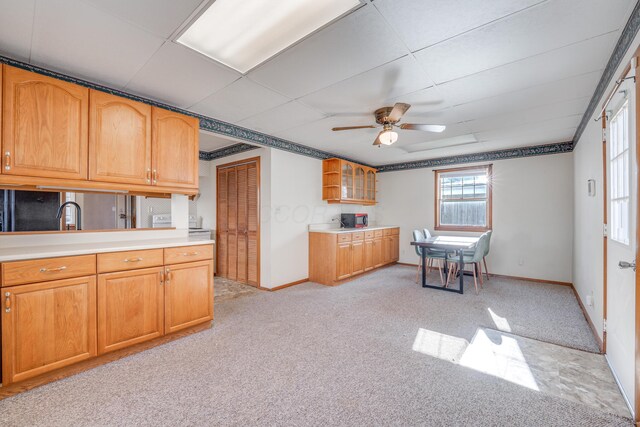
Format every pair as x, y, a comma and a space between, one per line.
387, 251
371, 186
45, 131
344, 261
347, 181
357, 254
188, 295
130, 308
119, 139
174, 149
359, 183
369, 263
378, 259
46, 326
395, 248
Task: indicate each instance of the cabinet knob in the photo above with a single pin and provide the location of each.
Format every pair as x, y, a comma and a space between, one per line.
155, 177
148, 176
7, 161
167, 278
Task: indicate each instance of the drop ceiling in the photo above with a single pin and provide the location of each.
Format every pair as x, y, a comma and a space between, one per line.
499, 74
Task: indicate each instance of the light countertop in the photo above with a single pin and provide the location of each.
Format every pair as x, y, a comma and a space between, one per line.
351, 230
49, 251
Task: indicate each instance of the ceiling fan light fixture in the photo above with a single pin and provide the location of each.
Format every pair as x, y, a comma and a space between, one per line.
388, 137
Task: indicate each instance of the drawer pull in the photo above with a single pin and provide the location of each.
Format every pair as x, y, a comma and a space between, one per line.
155, 176
7, 160
190, 253
133, 259
53, 270
148, 176
7, 302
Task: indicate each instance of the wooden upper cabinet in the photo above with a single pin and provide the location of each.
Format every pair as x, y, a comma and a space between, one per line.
348, 182
45, 126
119, 139
174, 149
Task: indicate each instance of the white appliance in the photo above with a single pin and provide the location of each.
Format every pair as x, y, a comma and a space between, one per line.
195, 225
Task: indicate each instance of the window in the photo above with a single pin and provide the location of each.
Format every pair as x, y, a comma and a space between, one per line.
619, 167
463, 199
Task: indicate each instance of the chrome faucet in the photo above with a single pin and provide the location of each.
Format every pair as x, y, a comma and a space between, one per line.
78, 213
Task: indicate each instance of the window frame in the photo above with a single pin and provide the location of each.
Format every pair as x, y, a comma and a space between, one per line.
489, 214
625, 155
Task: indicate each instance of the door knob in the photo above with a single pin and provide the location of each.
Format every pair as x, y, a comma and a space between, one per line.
624, 265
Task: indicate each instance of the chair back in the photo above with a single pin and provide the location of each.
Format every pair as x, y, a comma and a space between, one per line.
418, 237
488, 233
481, 248
426, 232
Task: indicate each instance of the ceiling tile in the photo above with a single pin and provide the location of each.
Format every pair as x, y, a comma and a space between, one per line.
356, 43
368, 91
530, 129
161, 17
16, 24
179, 76
78, 39
423, 23
210, 142
574, 60
240, 100
281, 118
542, 28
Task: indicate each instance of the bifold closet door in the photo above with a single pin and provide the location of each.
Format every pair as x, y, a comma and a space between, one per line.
238, 223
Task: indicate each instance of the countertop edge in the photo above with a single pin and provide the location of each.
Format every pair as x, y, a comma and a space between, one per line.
352, 230
107, 247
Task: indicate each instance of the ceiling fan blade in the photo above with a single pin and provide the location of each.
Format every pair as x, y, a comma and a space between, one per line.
353, 127
426, 128
398, 111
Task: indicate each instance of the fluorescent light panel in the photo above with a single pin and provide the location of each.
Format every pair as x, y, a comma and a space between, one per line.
244, 33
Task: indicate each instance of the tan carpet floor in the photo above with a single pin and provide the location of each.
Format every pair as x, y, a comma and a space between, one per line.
311, 355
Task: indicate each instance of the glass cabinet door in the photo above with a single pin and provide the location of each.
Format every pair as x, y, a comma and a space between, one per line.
347, 181
371, 186
359, 183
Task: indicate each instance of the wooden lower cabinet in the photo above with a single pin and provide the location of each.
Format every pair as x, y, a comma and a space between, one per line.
46, 326
188, 295
130, 308
334, 257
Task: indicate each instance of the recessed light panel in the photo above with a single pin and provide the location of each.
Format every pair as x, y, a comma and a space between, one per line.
244, 33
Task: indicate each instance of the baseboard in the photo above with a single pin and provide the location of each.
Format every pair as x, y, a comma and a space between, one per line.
594, 331
286, 285
530, 279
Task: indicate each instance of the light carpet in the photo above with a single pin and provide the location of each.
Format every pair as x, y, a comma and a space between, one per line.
312, 355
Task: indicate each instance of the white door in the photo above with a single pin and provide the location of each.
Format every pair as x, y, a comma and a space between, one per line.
621, 207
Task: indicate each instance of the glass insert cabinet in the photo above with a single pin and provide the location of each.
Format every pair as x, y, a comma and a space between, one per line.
348, 182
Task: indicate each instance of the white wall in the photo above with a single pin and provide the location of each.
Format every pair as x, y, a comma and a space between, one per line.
532, 214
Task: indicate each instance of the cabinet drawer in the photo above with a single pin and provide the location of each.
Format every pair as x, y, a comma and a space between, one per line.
344, 237
395, 231
377, 233
129, 260
44, 270
387, 232
368, 234
188, 254
357, 236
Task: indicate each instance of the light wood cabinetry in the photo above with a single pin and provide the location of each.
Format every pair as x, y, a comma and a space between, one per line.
46, 326
58, 134
54, 317
174, 149
119, 139
130, 308
348, 182
334, 257
188, 295
45, 126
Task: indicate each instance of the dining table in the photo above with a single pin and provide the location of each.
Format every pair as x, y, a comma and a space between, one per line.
450, 245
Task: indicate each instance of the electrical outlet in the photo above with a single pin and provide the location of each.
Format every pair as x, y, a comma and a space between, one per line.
590, 300
521, 261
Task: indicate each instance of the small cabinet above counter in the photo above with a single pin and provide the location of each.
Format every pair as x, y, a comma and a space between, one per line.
348, 182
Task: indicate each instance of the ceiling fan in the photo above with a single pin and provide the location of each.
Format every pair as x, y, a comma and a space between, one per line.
389, 117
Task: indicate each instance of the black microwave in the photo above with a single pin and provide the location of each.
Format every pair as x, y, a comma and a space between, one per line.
354, 220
